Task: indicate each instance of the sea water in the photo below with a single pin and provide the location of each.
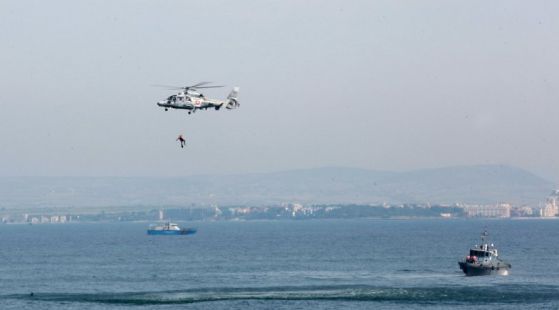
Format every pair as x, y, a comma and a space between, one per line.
312, 264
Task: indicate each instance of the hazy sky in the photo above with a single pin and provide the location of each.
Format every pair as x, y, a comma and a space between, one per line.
390, 85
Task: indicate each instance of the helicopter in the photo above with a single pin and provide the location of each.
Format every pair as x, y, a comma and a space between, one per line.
191, 99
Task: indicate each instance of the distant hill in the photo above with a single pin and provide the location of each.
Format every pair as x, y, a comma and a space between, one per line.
468, 184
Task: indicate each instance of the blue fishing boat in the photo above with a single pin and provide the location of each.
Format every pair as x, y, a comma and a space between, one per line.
170, 229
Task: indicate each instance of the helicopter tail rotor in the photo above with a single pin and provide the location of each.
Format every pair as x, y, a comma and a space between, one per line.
232, 100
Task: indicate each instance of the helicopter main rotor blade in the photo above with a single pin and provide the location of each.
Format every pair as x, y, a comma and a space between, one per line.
216, 86
197, 85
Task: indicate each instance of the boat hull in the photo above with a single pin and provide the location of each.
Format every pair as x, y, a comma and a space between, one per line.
188, 231
477, 269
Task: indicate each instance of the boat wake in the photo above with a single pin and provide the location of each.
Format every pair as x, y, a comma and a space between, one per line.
502, 294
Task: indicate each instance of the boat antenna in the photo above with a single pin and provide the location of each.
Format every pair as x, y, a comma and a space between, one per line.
484, 235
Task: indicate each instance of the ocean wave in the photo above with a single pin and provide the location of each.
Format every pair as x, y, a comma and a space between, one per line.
503, 294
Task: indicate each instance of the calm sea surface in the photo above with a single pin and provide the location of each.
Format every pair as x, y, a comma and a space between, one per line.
326, 264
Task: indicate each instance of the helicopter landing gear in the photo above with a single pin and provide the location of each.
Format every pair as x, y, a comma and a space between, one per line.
166, 109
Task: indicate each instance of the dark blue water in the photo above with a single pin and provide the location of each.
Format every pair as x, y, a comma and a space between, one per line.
351, 264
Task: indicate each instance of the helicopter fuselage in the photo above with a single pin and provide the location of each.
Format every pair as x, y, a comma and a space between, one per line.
192, 101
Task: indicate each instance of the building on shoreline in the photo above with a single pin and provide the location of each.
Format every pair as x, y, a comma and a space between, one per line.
551, 206
497, 210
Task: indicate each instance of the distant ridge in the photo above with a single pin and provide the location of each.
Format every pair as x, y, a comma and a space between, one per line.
467, 184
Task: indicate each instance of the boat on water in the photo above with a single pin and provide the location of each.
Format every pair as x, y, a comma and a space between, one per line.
484, 260
169, 229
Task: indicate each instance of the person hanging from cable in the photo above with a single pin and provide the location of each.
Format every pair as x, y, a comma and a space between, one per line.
182, 140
